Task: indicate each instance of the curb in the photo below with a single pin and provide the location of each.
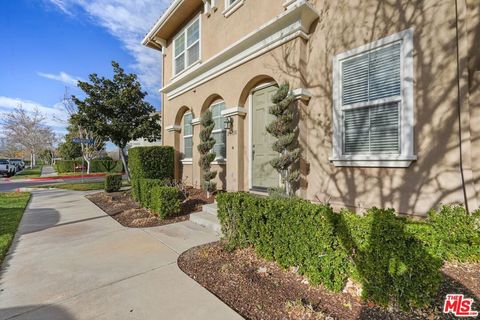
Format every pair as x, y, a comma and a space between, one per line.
67, 177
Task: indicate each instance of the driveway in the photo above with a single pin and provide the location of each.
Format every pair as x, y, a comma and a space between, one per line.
72, 261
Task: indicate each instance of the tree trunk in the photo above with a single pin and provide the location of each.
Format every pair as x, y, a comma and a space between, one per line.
124, 161
88, 161
31, 159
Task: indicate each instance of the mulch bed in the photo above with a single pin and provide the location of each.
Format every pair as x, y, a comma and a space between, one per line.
121, 207
258, 289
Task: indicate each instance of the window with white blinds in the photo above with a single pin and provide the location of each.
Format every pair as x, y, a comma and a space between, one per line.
219, 133
187, 136
186, 45
373, 94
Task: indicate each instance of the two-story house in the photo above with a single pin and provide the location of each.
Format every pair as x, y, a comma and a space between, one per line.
387, 93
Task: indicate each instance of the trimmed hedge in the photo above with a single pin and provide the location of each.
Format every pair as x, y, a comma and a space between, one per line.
165, 201
142, 190
375, 250
113, 182
155, 162
63, 166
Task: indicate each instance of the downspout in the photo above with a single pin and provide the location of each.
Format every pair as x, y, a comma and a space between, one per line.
459, 113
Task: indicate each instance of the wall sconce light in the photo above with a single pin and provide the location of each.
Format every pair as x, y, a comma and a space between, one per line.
229, 124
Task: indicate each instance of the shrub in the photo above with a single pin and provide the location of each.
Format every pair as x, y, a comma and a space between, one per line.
113, 182
151, 162
293, 232
375, 250
165, 201
142, 190
390, 263
63, 166
450, 233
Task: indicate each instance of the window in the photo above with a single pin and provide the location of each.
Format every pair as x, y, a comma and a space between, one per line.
373, 104
187, 136
186, 47
219, 133
231, 6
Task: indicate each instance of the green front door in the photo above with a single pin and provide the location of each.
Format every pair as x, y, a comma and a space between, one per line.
263, 174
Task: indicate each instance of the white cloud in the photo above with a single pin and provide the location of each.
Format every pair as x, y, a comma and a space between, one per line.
128, 21
62, 77
55, 116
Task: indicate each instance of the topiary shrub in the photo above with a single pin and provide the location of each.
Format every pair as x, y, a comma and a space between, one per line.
205, 147
155, 162
165, 201
113, 182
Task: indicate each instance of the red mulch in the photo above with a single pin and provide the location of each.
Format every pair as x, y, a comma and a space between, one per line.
121, 207
258, 289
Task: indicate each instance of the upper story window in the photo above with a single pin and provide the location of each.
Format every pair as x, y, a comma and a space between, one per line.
187, 136
186, 47
219, 133
373, 103
231, 6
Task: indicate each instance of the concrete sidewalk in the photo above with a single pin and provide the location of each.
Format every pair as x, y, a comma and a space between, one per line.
48, 171
72, 261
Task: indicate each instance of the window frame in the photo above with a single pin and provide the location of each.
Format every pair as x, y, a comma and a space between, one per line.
184, 136
405, 101
184, 32
230, 8
222, 130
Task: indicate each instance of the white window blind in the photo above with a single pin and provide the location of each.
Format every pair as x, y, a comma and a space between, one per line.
187, 136
371, 88
187, 47
219, 133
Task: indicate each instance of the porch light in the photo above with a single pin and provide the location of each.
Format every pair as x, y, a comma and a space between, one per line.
228, 124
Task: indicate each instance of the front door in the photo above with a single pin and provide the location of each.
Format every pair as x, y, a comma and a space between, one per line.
263, 174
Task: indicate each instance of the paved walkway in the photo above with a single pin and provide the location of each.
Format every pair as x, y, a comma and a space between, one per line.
48, 171
72, 261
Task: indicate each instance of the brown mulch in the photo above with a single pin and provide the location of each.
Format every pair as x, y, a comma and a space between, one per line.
121, 207
258, 289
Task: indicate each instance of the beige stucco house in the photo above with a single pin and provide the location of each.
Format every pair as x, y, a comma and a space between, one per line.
388, 95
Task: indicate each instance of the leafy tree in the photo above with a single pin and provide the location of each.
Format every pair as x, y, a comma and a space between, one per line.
284, 129
69, 150
206, 155
115, 109
46, 156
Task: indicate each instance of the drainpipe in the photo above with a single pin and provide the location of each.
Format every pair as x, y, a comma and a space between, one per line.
459, 109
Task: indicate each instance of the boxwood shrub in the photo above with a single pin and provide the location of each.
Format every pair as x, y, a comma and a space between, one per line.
165, 201
376, 250
142, 190
155, 162
113, 182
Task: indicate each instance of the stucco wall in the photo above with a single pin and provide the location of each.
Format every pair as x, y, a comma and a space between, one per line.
343, 25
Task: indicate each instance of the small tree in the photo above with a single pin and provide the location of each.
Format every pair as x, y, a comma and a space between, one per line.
115, 109
206, 155
284, 130
69, 150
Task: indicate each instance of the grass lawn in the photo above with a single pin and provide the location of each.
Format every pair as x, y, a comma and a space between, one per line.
28, 173
86, 186
12, 205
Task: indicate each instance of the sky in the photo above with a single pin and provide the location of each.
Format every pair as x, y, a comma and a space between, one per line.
47, 45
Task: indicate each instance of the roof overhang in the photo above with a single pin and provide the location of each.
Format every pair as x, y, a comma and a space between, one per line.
174, 17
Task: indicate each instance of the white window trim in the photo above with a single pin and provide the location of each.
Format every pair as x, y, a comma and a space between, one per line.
187, 160
231, 8
406, 155
219, 159
185, 51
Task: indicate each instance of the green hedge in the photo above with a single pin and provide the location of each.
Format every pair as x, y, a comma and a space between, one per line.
63, 166
165, 201
142, 190
113, 182
151, 162
376, 250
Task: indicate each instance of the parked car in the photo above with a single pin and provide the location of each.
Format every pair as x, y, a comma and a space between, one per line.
7, 169
19, 164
